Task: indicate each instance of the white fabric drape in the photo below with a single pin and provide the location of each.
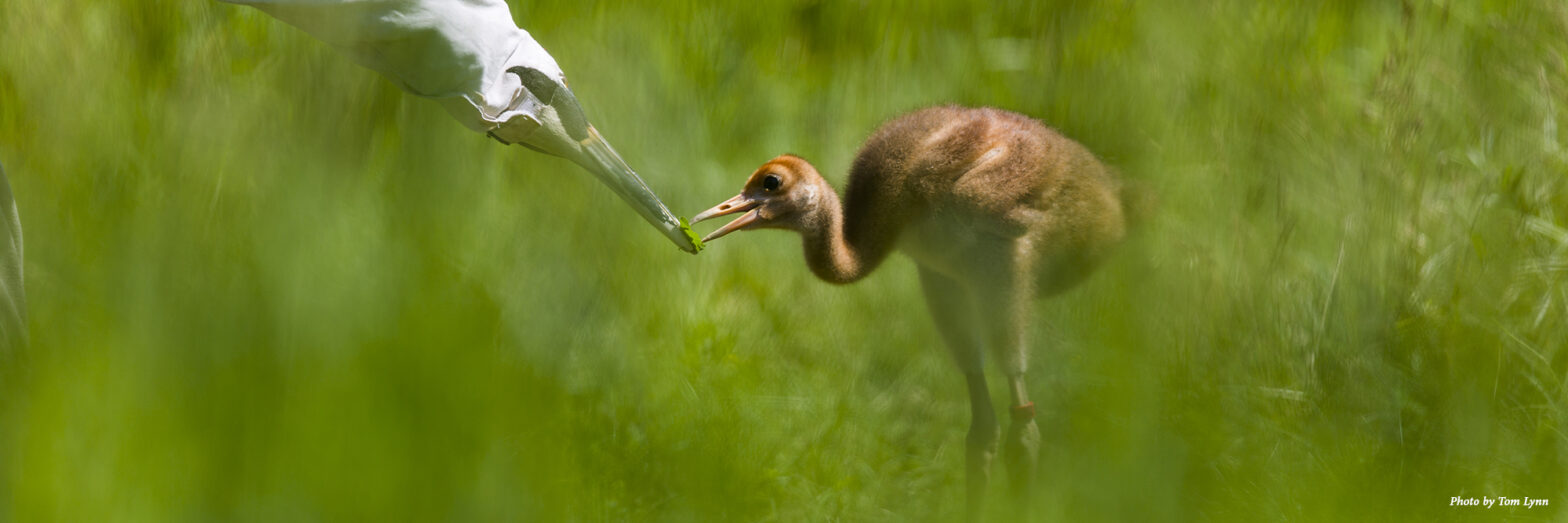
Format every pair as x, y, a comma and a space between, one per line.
456, 52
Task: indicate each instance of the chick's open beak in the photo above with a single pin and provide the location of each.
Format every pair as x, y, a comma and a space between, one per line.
740, 203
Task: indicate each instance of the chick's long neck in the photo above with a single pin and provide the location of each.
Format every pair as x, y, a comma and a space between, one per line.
843, 245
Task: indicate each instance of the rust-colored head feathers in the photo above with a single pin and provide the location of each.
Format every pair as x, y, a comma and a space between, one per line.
778, 195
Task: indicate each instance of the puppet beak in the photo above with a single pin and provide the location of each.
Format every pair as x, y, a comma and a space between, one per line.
598, 158
562, 130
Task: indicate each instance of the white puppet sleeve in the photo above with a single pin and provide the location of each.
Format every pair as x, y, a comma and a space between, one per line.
456, 52
469, 56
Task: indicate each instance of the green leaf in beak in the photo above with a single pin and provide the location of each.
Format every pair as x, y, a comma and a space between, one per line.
695, 239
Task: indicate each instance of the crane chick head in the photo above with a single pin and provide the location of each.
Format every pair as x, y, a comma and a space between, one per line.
782, 194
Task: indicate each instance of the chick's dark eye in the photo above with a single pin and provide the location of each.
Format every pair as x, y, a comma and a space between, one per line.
771, 183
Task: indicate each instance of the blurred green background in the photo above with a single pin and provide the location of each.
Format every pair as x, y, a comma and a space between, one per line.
266, 285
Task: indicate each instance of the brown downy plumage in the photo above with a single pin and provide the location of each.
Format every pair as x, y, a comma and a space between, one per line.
994, 207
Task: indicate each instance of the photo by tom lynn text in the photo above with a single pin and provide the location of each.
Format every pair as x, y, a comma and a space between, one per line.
1500, 501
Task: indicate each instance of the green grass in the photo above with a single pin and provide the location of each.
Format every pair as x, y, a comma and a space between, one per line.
267, 286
